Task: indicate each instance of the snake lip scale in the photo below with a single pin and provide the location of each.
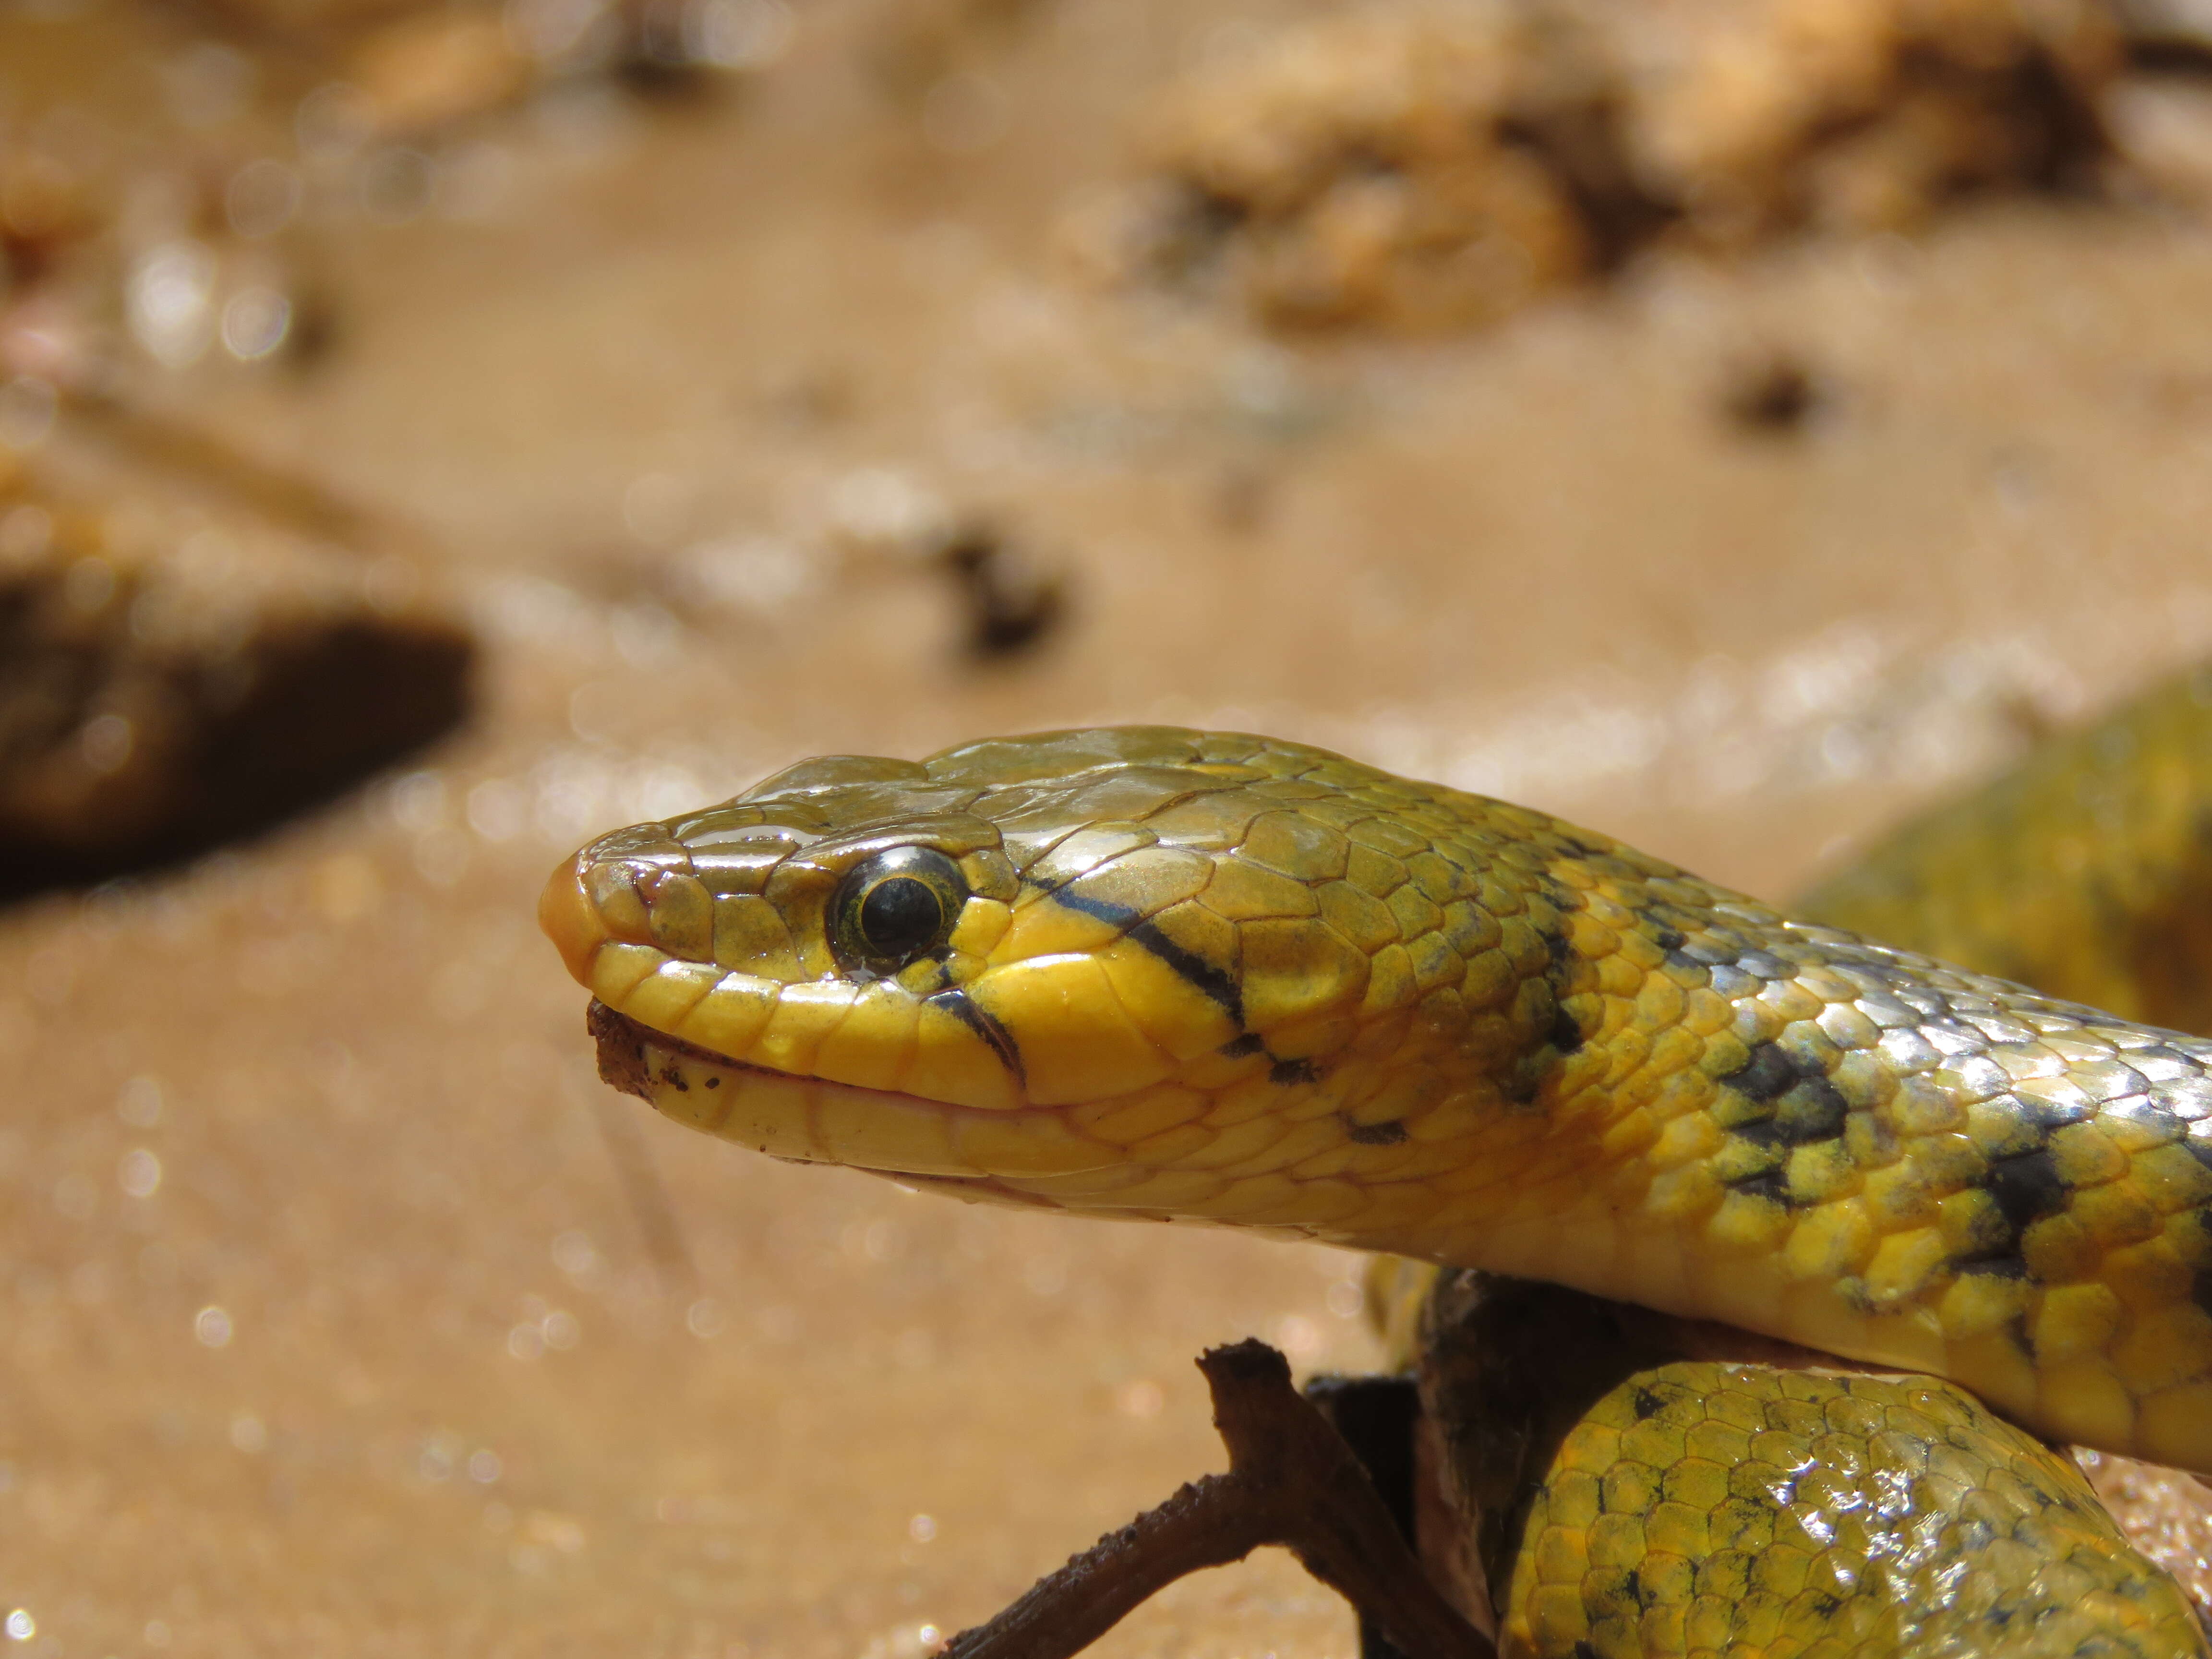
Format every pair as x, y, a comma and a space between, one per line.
627, 1048
627, 1051
623, 1063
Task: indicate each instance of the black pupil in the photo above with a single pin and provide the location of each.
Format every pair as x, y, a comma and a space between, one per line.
901, 916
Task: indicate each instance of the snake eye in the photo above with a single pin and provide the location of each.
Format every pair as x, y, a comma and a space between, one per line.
899, 905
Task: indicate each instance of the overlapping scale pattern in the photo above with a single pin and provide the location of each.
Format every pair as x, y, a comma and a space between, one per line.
1216, 977
1628, 1504
1696, 1509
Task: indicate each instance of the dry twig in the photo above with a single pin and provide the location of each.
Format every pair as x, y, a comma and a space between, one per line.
1293, 1481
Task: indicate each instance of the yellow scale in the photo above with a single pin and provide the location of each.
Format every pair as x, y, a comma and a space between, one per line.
1171, 974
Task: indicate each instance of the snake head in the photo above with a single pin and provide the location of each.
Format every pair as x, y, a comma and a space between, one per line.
1143, 970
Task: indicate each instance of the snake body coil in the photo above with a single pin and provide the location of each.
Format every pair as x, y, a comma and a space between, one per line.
1627, 1501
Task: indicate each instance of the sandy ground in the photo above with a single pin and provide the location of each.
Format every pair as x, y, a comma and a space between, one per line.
343, 1312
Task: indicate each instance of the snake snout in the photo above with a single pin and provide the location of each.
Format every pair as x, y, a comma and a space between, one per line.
566, 915
647, 898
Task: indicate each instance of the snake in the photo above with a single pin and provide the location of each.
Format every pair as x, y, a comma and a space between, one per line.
1158, 973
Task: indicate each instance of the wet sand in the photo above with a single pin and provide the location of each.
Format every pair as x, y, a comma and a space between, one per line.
345, 1312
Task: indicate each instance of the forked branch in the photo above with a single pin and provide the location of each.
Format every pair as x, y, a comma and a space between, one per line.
1291, 1480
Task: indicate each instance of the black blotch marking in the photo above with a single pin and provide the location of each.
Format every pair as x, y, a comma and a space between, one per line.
1561, 1034
1632, 1586
1807, 1109
1376, 1134
2007, 1264
1813, 1110
2027, 1188
2046, 1116
1566, 1032
1669, 939
1584, 1650
1771, 1184
1764, 1075
1285, 1072
1237, 1047
1648, 1404
964, 1008
1214, 981
713, 1083
674, 1079
1561, 952
1556, 893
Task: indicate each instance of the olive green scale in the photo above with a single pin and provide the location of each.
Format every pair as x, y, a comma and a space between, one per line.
1629, 1504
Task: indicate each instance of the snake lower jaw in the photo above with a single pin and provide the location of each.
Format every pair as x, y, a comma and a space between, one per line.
813, 1121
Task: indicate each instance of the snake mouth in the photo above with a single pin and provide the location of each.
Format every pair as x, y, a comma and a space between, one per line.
623, 1063
813, 1121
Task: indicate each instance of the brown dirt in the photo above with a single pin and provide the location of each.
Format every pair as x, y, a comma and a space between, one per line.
343, 1309
171, 680
1410, 166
